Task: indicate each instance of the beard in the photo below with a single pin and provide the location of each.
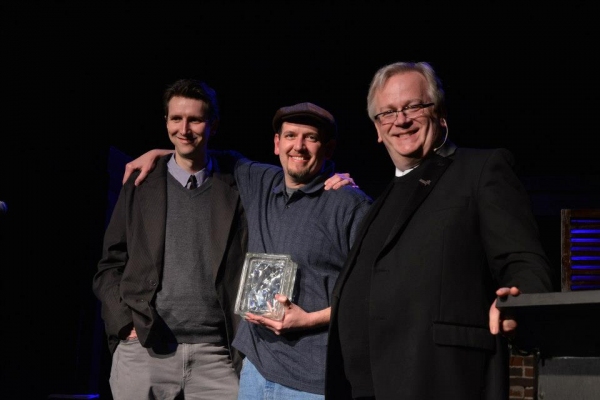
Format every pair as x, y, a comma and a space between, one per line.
302, 176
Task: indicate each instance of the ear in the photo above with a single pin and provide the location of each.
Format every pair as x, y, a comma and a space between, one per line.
443, 122
276, 144
379, 139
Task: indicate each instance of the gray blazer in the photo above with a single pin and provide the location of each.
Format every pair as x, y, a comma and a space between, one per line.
131, 265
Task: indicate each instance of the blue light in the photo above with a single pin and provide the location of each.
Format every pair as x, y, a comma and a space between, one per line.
596, 231
586, 267
584, 287
585, 278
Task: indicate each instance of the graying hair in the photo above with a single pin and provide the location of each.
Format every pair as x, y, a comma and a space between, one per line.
435, 89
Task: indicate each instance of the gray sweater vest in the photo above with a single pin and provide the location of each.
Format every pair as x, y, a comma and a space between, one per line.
187, 300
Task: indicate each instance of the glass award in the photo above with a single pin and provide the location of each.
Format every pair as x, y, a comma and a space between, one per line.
263, 276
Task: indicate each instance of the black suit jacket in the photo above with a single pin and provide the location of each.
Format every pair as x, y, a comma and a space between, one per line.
467, 230
132, 260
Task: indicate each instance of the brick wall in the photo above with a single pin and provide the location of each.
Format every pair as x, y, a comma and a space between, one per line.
523, 377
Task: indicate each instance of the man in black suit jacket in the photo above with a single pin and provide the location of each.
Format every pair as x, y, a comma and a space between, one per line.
413, 310
171, 263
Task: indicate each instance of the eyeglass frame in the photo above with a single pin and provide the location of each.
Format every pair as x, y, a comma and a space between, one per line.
416, 107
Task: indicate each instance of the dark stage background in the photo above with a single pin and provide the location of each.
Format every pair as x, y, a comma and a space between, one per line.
80, 79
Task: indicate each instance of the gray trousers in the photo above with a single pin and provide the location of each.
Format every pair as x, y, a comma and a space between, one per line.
199, 371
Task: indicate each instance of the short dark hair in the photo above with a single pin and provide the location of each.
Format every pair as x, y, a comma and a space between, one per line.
193, 89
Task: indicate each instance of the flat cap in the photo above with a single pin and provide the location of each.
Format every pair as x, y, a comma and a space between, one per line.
307, 113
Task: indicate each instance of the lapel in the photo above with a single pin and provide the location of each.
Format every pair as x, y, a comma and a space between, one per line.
152, 195
430, 175
224, 199
432, 171
364, 226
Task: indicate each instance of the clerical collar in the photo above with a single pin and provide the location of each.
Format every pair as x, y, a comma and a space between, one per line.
402, 173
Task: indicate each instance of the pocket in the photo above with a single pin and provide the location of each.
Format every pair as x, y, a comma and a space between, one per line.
446, 334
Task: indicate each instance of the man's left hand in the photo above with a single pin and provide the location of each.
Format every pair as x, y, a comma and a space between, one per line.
498, 324
294, 318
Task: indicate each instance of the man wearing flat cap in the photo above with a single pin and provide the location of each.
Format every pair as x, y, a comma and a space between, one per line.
290, 212
314, 226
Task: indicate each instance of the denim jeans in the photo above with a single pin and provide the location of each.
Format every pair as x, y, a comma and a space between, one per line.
254, 387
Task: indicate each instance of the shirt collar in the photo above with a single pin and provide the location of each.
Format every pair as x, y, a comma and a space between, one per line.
402, 173
182, 175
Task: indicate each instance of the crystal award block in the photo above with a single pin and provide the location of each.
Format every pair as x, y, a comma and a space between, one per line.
263, 276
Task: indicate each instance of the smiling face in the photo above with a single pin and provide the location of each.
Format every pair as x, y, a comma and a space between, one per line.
301, 152
188, 130
407, 139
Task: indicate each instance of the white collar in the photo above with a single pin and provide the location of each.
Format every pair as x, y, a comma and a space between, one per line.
402, 173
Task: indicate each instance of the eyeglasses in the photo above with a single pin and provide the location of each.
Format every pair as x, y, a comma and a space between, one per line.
411, 111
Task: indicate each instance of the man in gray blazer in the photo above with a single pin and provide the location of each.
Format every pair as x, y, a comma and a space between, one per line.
172, 256
413, 312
